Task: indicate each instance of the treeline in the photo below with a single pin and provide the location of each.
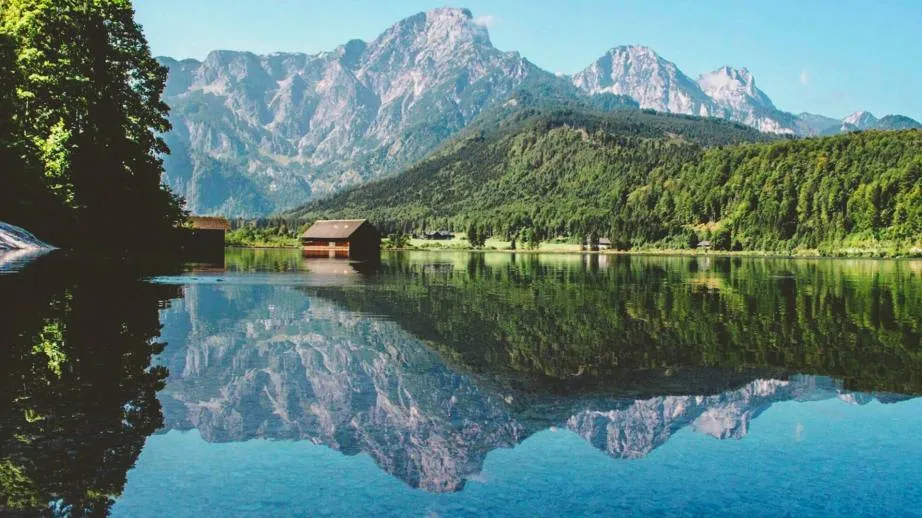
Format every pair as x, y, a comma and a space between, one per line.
80, 124
647, 180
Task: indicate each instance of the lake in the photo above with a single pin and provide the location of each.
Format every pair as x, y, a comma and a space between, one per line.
463, 384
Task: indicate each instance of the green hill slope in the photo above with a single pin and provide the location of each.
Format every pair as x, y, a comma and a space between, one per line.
652, 180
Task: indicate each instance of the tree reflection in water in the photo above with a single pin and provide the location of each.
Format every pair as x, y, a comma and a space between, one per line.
434, 360
78, 389
427, 362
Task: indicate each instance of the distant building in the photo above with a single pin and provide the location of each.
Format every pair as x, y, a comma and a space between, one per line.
204, 237
704, 244
603, 244
209, 223
439, 235
355, 238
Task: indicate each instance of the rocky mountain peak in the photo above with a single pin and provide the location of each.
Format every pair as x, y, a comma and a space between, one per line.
635, 50
641, 73
739, 74
727, 75
639, 55
733, 87
658, 84
445, 27
897, 122
860, 120
283, 128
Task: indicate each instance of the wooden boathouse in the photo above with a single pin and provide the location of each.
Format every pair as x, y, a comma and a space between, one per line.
353, 238
203, 237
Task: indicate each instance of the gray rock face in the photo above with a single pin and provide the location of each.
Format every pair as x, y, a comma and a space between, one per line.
658, 84
254, 135
652, 81
860, 120
727, 92
734, 91
257, 134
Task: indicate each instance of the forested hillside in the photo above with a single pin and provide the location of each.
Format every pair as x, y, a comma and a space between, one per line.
650, 180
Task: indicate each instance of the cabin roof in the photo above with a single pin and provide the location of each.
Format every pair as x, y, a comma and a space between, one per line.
704, 243
333, 228
604, 241
208, 223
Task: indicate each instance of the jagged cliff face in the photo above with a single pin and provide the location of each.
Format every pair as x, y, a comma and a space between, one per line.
735, 93
659, 85
256, 134
729, 93
642, 74
264, 361
860, 120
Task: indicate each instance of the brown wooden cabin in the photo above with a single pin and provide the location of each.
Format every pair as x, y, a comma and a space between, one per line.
204, 238
354, 238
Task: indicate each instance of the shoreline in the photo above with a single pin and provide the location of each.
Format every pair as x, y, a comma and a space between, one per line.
870, 254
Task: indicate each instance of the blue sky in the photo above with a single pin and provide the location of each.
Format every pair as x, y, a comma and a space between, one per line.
824, 56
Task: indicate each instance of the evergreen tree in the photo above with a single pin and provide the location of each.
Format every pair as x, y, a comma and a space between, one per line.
476, 235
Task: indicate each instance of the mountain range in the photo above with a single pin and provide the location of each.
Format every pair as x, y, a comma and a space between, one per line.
256, 134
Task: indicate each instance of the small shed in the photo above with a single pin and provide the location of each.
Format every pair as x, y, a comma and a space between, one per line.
439, 235
355, 238
603, 243
705, 245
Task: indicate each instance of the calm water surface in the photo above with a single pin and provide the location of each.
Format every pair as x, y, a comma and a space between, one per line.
455, 384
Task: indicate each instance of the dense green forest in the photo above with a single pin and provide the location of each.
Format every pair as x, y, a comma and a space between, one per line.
652, 180
80, 125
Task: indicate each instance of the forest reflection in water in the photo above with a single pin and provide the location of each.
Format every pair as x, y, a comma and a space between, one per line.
429, 361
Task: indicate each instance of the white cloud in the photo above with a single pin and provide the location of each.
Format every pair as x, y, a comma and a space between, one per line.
804, 76
487, 20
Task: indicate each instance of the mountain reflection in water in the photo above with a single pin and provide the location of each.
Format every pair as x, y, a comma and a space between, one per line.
427, 363
430, 361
